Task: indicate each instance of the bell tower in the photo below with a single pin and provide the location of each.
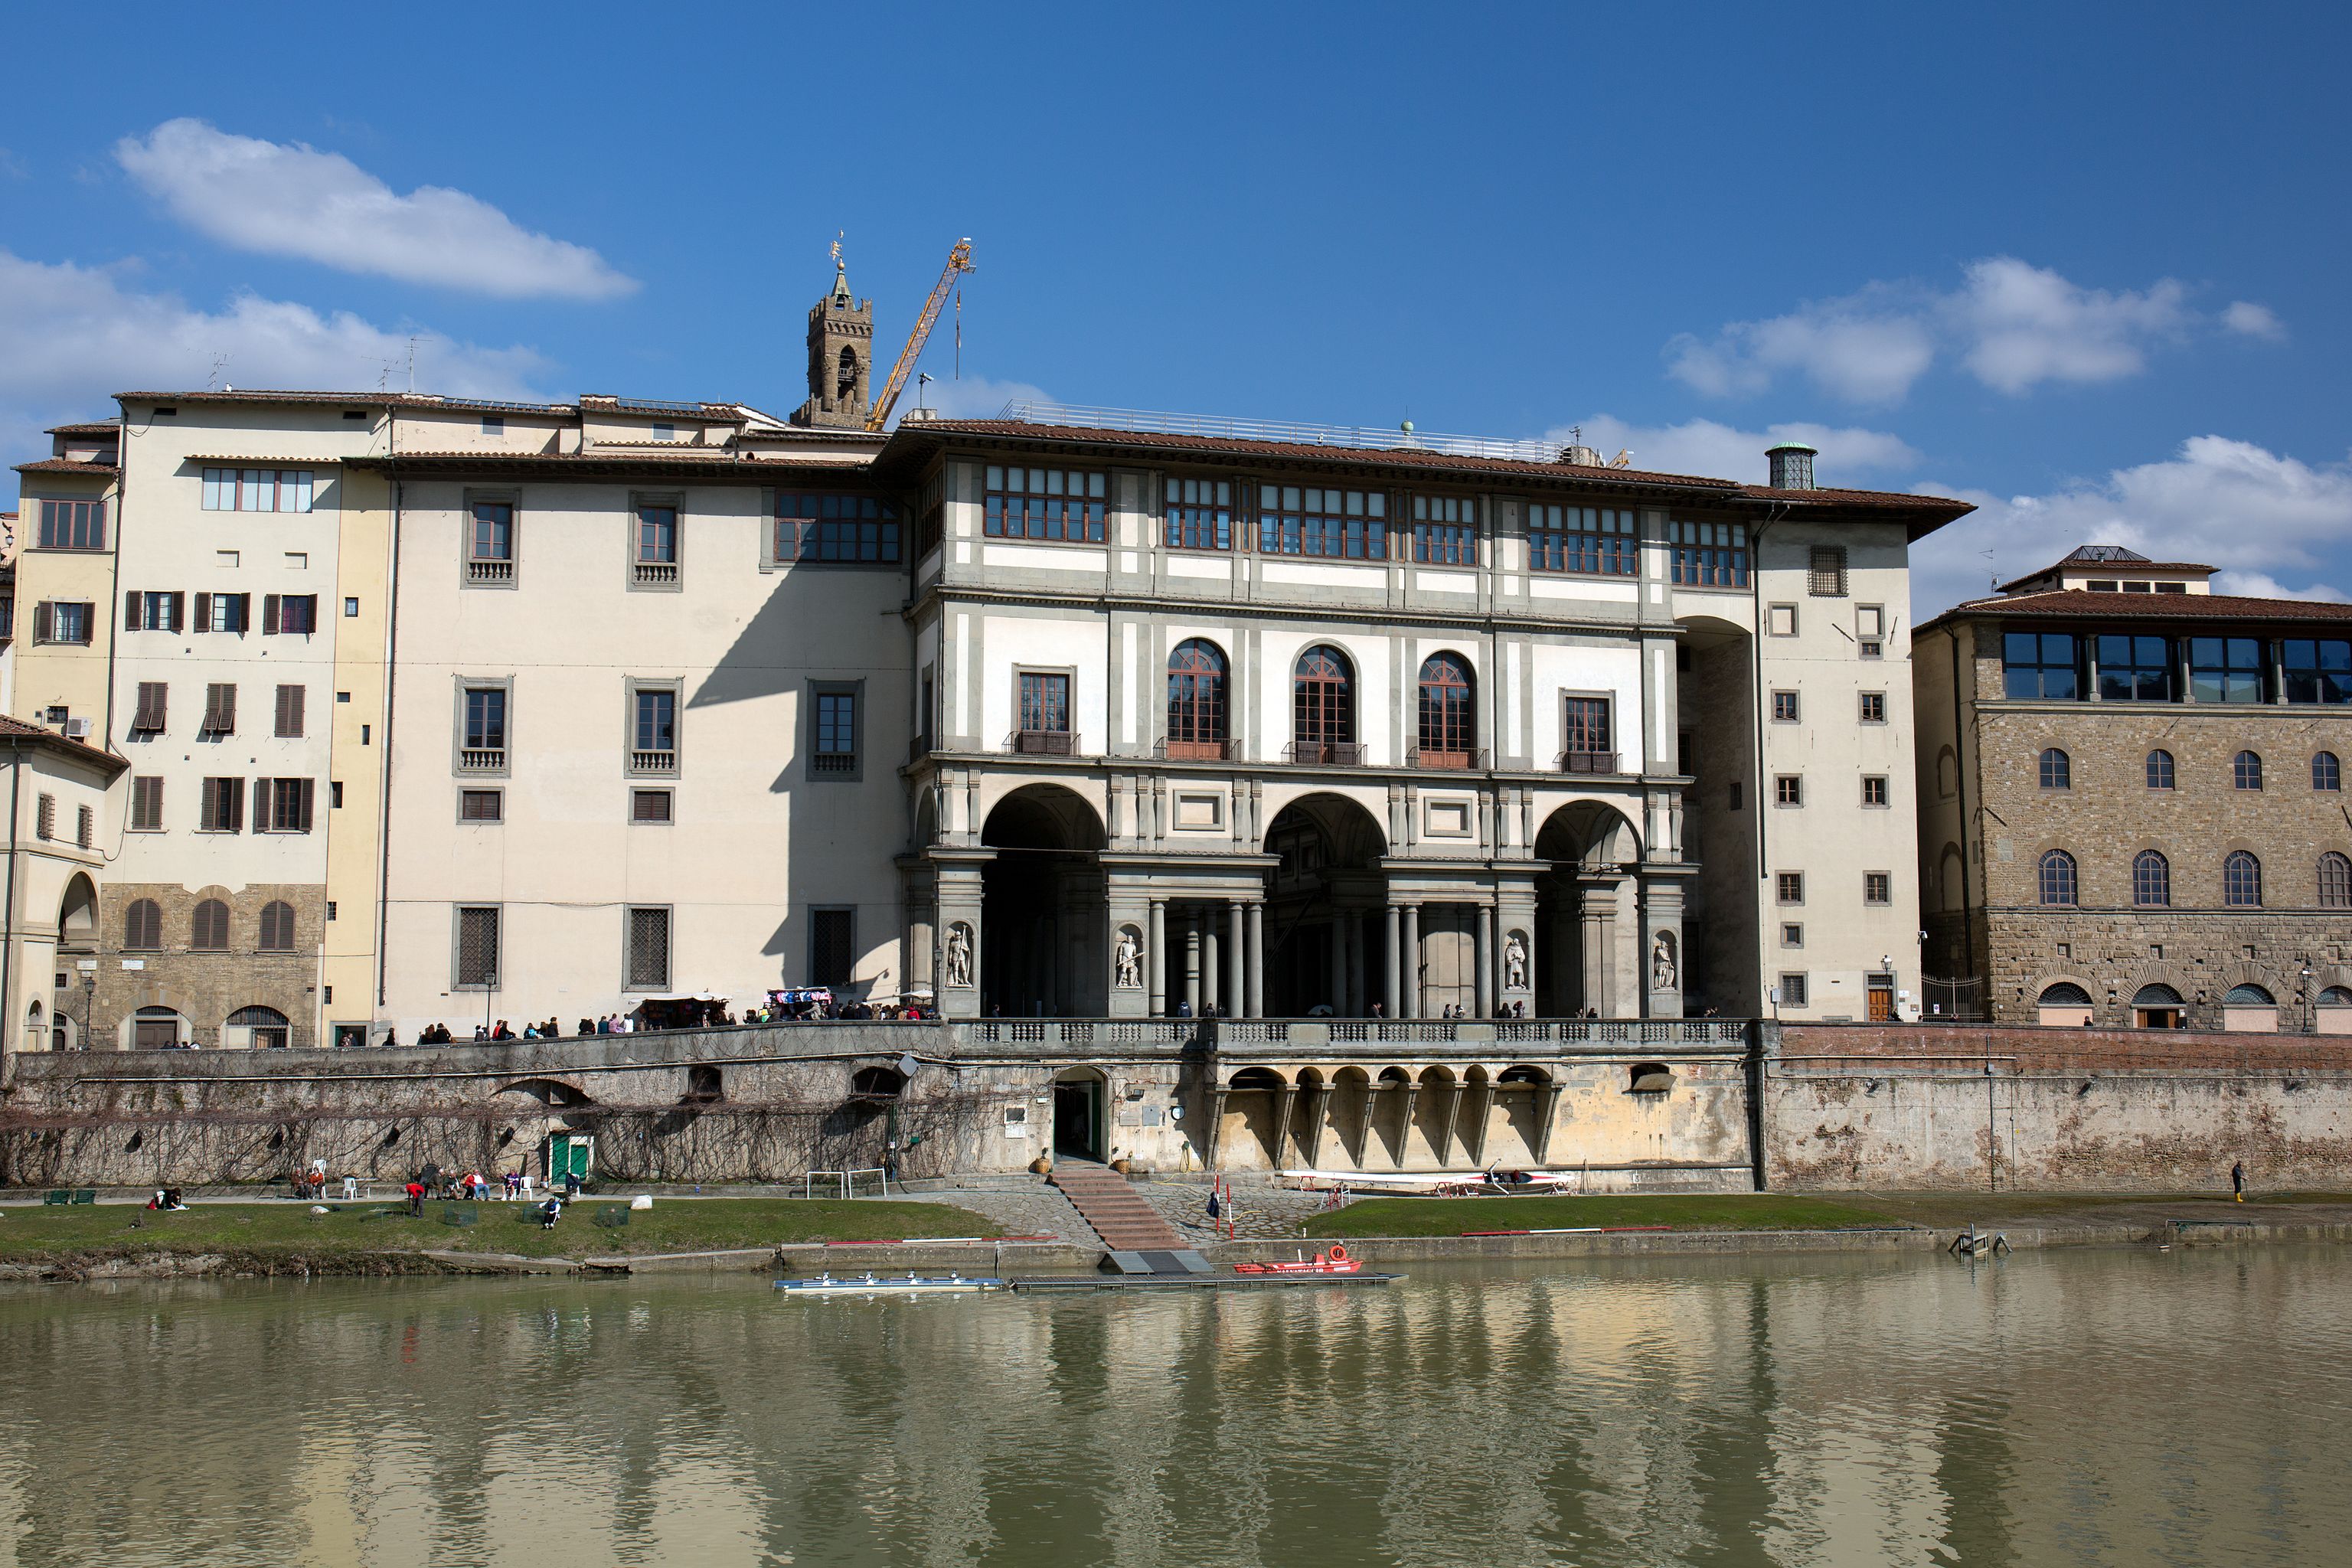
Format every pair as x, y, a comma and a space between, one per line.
841, 354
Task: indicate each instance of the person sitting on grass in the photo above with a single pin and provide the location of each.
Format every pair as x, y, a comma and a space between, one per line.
550, 1212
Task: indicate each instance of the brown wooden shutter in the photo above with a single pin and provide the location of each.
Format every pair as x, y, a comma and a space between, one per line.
243, 613
308, 791
310, 621
88, 623
44, 621
130, 607
203, 622
261, 818
179, 610
290, 711
269, 615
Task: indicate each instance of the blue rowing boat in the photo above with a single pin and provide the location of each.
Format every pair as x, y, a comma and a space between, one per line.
872, 1284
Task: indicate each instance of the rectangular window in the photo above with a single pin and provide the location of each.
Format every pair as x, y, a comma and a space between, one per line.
1877, 888
654, 554
2040, 666
832, 946
477, 947
836, 751
335, 795
223, 808
257, 489
1199, 515
2135, 668
1045, 503
1789, 886
1044, 703
282, 804
1349, 525
1784, 708
1587, 740
223, 611
290, 614
62, 621
45, 817
1793, 991
1870, 621
154, 612
490, 544
814, 526
1874, 708
73, 525
1780, 620
1789, 789
290, 700
350, 609
649, 806
2225, 670
653, 730
1877, 791
220, 710
1826, 579
2317, 670
147, 805
1604, 539
649, 950
147, 717
1708, 555
1445, 531
494, 424
484, 742
1792, 934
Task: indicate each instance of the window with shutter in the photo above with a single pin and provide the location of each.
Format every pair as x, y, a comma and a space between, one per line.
148, 717
269, 615
220, 708
477, 947
147, 803
209, 931
222, 809
481, 806
143, 925
649, 950
204, 621
290, 711
649, 806
278, 926
44, 622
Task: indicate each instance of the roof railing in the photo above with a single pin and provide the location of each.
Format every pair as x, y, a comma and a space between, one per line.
1030, 411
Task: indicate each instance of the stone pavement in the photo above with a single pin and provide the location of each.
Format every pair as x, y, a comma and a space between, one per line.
1261, 1213
1038, 1210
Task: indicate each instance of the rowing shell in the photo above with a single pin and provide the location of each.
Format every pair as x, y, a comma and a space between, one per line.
890, 1285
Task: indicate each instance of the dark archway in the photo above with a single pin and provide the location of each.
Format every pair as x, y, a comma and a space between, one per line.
1582, 905
1042, 906
1080, 1095
1326, 897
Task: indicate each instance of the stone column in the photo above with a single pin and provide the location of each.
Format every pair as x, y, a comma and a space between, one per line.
1392, 991
1156, 957
1213, 958
1193, 961
1412, 978
1339, 976
1484, 955
1598, 945
1253, 991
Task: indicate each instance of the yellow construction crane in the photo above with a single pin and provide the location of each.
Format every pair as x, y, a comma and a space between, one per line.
958, 263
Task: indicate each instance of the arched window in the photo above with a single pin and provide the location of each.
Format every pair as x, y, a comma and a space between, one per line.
1323, 707
2057, 877
2057, 770
2334, 881
1948, 773
209, 931
143, 925
2160, 770
2066, 994
1196, 701
844, 381
2246, 771
2241, 880
2326, 772
2249, 995
1449, 728
278, 926
270, 1031
2151, 879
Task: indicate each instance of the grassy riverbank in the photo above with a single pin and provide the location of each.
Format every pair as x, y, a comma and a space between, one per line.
1452, 1217
287, 1232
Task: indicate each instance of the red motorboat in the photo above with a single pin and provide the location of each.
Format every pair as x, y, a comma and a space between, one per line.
1335, 1261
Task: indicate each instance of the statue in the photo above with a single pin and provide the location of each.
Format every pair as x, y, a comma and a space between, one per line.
959, 954
1515, 962
1662, 977
1129, 963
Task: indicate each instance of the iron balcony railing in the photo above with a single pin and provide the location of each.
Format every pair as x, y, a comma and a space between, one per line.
1044, 743
1588, 761
1459, 761
1193, 750
1324, 754
919, 748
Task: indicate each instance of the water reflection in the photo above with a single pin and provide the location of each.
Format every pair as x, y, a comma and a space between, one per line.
2112, 1407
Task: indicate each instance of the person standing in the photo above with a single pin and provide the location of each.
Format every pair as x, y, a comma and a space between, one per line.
2237, 1180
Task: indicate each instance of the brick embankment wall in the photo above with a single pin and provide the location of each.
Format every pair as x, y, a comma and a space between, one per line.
2053, 1109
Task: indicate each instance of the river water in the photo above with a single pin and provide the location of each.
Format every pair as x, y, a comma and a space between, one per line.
2124, 1406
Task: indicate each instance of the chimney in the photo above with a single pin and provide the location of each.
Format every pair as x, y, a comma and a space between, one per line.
1792, 465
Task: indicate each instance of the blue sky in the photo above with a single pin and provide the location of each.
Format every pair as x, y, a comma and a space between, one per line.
2083, 265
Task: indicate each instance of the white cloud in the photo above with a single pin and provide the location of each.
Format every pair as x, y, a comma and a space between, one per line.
972, 396
280, 199
2254, 320
1714, 451
2276, 523
71, 337
2012, 325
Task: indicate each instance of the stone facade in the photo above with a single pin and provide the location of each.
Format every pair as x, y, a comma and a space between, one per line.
204, 988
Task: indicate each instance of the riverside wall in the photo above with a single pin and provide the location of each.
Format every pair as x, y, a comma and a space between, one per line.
2051, 1110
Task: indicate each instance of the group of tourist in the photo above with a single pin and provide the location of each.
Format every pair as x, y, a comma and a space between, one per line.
512, 1187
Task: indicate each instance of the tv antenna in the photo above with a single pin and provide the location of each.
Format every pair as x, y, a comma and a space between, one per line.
220, 364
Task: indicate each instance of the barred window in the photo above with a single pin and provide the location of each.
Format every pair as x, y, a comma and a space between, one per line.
1445, 531
814, 526
2151, 879
1877, 888
478, 946
2160, 770
2334, 881
1045, 503
2057, 770
1605, 540
1790, 887
1350, 525
648, 949
1708, 555
1792, 990
1200, 514
143, 925
2241, 880
832, 947
2057, 877
1827, 577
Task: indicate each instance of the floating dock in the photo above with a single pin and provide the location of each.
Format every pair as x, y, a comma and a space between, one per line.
1193, 1281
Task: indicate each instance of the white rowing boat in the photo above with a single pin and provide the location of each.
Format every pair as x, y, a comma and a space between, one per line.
872, 1284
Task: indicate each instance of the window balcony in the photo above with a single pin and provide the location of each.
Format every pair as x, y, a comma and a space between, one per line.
652, 761
1457, 762
1195, 750
1588, 761
657, 573
1324, 754
1044, 743
922, 746
500, 571
481, 759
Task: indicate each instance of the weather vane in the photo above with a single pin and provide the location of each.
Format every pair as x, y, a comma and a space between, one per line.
838, 235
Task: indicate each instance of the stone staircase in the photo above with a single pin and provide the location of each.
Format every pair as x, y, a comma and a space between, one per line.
1118, 1214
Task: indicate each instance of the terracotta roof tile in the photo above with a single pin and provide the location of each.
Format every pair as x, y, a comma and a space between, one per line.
16, 729
96, 428
2079, 603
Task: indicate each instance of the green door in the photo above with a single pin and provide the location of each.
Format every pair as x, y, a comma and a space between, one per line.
569, 1154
